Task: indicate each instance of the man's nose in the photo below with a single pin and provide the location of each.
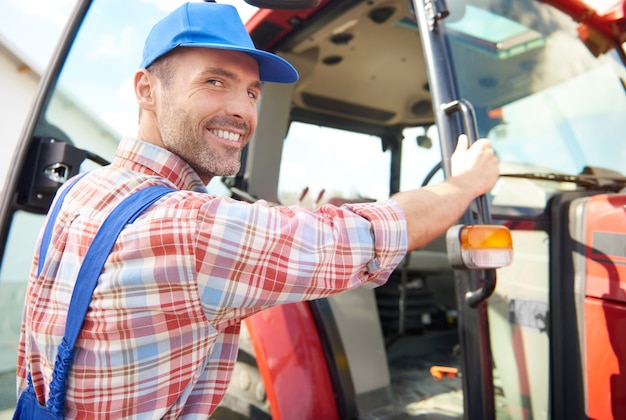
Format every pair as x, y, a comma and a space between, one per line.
241, 105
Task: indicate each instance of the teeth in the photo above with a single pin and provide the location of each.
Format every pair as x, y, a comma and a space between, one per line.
227, 135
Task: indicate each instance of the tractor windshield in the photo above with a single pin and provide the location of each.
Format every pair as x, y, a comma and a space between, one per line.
548, 105
553, 111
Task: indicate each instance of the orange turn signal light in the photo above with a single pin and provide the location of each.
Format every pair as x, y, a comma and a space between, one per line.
479, 246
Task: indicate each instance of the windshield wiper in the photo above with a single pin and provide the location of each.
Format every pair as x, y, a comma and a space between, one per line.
591, 179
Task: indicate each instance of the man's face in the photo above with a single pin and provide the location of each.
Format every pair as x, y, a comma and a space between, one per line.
207, 114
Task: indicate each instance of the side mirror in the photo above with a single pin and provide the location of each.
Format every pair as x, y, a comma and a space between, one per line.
49, 163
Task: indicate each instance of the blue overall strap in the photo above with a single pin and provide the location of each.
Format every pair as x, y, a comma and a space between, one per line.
45, 241
47, 233
98, 252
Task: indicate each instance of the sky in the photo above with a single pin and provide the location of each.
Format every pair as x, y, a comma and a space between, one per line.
18, 18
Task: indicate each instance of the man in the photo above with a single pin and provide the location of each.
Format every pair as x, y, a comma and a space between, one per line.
160, 337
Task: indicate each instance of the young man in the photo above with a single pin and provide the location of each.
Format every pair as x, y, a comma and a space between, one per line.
160, 337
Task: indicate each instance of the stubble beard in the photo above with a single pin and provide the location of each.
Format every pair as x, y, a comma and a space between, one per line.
181, 136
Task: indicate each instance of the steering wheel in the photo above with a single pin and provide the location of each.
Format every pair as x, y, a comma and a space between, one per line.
432, 173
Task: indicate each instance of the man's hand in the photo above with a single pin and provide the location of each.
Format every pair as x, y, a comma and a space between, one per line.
475, 167
430, 210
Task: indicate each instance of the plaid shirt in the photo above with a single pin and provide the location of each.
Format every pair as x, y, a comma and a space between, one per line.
160, 337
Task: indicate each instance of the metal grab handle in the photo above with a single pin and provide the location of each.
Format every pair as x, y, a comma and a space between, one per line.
467, 112
469, 121
473, 298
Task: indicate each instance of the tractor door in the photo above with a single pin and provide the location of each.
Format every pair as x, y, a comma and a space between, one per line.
455, 115
520, 74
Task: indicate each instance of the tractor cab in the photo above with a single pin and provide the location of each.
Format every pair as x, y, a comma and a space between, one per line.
385, 89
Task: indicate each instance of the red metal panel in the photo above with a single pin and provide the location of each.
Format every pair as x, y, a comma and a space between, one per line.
291, 361
280, 23
602, 24
607, 20
605, 306
606, 247
605, 327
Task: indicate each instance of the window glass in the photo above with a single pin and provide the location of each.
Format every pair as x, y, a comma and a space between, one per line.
421, 154
36, 46
540, 95
313, 161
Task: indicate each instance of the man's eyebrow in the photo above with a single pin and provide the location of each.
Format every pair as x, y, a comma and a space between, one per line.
219, 71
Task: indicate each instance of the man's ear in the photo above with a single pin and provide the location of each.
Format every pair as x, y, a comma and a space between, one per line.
145, 84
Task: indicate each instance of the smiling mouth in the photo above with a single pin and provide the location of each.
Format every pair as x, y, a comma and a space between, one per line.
227, 135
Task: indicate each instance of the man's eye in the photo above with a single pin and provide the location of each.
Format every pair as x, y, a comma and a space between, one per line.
253, 95
215, 82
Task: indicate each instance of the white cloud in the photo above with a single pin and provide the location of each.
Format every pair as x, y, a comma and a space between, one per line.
114, 45
124, 122
245, 10
126, 91
55, 12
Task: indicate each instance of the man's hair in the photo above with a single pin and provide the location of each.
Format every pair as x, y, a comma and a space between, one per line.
163, 68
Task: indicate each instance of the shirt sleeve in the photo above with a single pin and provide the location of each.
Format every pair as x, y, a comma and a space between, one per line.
253, 256
388, 227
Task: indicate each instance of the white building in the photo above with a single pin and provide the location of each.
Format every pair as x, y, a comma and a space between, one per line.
18, 85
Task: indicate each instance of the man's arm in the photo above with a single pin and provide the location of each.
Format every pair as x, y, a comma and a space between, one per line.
431, 210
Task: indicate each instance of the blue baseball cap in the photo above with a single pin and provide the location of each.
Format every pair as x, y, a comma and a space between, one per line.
212, 25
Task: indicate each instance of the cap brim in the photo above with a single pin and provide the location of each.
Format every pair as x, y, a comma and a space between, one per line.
272, 68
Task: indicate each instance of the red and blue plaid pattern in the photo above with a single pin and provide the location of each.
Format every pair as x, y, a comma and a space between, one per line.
160, 337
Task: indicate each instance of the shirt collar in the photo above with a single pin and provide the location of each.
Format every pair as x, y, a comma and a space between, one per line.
147, 158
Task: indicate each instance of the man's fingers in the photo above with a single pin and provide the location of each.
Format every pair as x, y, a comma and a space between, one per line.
484, 143
462, 143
